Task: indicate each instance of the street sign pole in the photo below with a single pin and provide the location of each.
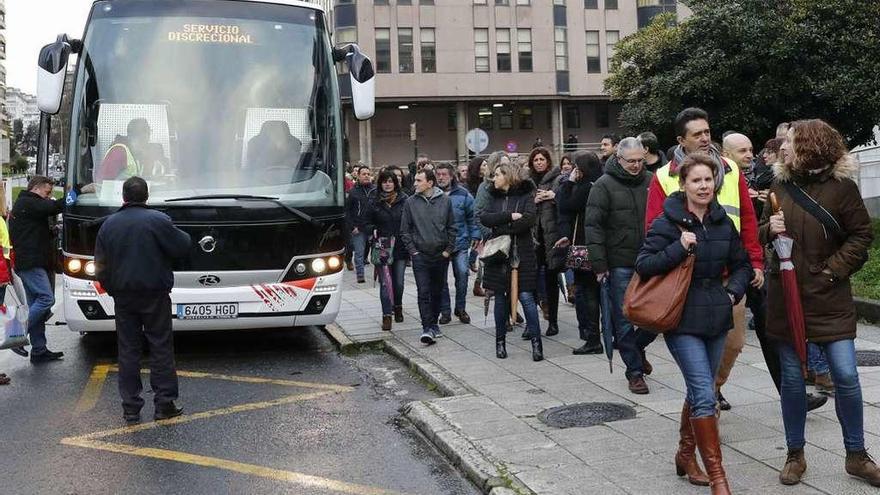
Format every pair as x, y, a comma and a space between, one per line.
414, 137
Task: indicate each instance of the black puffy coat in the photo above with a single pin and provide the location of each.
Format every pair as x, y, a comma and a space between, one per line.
357, 206
546, 230
708, 311
385, 220
615, 217
496, 216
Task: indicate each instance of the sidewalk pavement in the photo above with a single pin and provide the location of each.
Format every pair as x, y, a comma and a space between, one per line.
488, 422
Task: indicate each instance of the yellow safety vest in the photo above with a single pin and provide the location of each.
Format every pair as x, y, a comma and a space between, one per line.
727, 197
132, 167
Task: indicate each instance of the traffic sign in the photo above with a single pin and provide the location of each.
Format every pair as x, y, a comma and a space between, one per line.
477, 140
511, 146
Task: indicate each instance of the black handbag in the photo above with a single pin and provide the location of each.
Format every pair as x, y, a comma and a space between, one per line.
578, 257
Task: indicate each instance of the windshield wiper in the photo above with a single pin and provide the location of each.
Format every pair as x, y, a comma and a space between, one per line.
249, 197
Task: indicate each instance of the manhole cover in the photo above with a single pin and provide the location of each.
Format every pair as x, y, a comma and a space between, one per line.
867, 358
585, 414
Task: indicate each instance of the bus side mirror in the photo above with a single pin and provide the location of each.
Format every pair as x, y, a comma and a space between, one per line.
52, 68
363, 80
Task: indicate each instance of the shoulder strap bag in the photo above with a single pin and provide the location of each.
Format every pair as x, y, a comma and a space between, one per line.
657, 304
578, 257
497, 249
811, 206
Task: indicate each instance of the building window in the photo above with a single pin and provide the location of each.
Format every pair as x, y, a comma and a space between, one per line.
572, 117
479, 2
502, 2
594, 65
561, 37
611, 39
404, 2
481, 49
602, 120
451, 119
380, 2
610, 4
523, 2
524, 48
484, 117
591, 4
429, 49
526, 120
502, 49
505, 118
383, 50
404, 50
558, 2
426, 2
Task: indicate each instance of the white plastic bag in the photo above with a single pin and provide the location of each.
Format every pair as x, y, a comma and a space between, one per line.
14, 321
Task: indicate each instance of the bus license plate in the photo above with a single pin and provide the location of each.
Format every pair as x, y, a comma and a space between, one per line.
211, 311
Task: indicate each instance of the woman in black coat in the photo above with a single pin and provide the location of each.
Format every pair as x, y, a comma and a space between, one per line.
571, 198
694, 222
511, 211
386, 209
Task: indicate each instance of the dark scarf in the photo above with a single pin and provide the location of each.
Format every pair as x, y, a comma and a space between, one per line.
388, 197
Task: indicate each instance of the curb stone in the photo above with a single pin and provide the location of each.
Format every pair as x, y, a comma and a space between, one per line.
346, 345
446, 384
476, 465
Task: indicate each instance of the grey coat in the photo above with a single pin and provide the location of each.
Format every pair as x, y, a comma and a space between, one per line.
427, 226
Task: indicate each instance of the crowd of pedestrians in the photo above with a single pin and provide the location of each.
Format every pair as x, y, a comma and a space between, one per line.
528, 230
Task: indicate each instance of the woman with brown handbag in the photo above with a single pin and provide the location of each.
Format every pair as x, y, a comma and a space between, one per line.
693, 222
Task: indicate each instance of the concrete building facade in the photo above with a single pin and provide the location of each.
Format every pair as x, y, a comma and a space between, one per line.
518, 69
4, 118
22, 106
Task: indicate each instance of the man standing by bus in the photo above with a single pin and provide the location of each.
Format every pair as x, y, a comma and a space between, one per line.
32, 241
134, 252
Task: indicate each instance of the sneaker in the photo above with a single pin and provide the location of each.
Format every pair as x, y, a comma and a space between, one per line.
444, 319
589, 347
361, 279
436, 331
638, 386
131, 417
427, 337
167, 411
722, 402
463, 316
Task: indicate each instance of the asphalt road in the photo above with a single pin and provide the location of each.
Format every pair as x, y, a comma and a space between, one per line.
266, 412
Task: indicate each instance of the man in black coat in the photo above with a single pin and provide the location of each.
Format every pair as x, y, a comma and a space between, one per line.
32, 239
133, 255
357, 212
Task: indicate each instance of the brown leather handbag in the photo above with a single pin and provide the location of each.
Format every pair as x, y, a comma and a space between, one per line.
657, 304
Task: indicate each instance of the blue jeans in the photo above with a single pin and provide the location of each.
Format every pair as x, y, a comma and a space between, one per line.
430, 275
359, 244
847, 394
631, 341
40, 299
459, 264
816, 361
569, 277
398, 268
698, 359
502, 314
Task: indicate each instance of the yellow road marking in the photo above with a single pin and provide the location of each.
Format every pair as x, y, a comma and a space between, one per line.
92, 390
305, 480
252, 379
186, 418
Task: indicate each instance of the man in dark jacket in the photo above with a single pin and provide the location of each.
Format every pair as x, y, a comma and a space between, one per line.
468, 235
427, 229
615, 228
133, 256
357, 212
32, 240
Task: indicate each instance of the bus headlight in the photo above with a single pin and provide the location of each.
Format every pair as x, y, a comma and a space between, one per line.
334, 262
90, 268
74, 265
319, 265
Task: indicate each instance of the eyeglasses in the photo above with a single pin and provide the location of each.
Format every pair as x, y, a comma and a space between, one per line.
631, 162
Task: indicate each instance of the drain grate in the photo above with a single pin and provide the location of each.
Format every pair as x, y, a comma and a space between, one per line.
867, 358
585, 414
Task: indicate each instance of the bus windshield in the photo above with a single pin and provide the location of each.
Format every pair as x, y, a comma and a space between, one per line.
206, 99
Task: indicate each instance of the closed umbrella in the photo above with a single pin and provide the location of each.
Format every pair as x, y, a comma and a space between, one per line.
607, 324
794, 311
514, 283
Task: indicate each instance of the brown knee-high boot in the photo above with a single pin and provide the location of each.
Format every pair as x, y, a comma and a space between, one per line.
706, 433
686, 457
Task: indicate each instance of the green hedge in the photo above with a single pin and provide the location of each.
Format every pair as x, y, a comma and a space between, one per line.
866, 283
